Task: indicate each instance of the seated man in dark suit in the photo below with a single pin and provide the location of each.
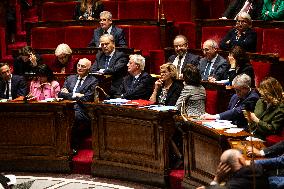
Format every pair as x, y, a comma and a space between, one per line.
108, 28
80, 88
245, 97
182, 57
11, 86
112, 62
242, 35
274, 165
234, 171
138, 84
212, 67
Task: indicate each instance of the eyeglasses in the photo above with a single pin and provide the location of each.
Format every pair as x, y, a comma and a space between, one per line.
241, 21
179, 46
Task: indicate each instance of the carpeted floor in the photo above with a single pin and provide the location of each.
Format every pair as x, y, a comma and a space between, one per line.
71, 181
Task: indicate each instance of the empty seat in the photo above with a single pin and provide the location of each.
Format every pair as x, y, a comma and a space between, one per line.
261, 70
157, 58
273, 41
111, 6
215, 33
54, 11
211, 103
142, 9
78, 36
178, 10
44, 37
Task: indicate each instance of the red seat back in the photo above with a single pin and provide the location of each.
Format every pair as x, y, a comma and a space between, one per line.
157, 58
111, 6
142, 9
259, 33
187, 29
178, 10
126, 32
54, 11
48, 59
78, 36
261, 70
3, 42
211, 103
44, 37
273, 41
215, 33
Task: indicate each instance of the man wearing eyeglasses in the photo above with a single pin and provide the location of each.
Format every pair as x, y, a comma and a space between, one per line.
212, 67
241, 35
244, 99
108, 28
182, 56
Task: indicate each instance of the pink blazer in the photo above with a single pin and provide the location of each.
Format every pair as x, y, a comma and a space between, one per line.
45, 91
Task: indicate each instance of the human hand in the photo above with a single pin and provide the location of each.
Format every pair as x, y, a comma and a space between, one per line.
81, 18
253, 151
208, 116
90, 18
250, 116
201, 187
223, 170
158, 84
64, 90
32, 58
228, 42
78, 95
211, 79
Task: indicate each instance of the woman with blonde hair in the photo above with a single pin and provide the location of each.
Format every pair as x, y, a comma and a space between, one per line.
268, 116
167, 89
64, 61
88, 10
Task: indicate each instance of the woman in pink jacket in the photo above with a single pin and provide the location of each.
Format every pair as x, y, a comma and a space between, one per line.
44, 86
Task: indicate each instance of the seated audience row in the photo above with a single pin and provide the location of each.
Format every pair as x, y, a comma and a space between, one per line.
88, 10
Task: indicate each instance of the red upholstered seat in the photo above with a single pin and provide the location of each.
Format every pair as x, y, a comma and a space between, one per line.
44, 37
53, 11
142, 9
78, 36
273, 41
157, 58
187, 29
178, 10
126, 32
48, 59
259, 33
215, 33
145, 38
3, 48
261, 70
211, 104
111, 6
273, 139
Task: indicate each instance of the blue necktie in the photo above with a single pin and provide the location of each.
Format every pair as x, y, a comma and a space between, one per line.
207, 70
79, 85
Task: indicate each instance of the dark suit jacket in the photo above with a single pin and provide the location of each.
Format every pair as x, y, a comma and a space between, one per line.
173, 93
117, 33
236, 105
274, 150
117, 68
247, 40
96, 10
142, 89
87, 88
189, 59
18, 87
21, 67
245, 69
218, 71
235, 6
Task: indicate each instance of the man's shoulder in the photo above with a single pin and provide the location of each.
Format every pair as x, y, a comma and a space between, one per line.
191, 56
119, 54
117, 29
172, 58
18, 77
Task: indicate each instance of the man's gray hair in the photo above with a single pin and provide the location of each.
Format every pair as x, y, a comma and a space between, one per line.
107, 14
181, 36
244, 15
109, 36
138, 59
212, 43
242, 80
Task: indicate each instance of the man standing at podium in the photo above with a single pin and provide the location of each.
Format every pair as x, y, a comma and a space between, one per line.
11, 86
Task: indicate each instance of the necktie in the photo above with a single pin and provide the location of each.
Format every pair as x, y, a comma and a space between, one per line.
79, 85
207, 70
105, 32
7, 90
179, 66
107, 62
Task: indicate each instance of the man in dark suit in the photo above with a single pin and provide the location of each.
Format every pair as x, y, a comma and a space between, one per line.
242, 35
182, 56
212, 67
80, 88
244, 98
234, 170
111, 62
237, 6
11, 86
108, 28
138, 84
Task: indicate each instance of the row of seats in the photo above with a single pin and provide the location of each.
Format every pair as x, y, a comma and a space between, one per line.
178, 10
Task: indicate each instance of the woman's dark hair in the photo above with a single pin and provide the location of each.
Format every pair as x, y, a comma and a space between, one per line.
240, 56
44, 70
25, 51
191, 75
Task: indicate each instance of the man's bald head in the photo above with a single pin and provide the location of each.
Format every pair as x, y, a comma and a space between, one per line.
233, 158
83, 67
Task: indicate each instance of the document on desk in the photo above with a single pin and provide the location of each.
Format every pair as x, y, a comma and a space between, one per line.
163, 108
219, 124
